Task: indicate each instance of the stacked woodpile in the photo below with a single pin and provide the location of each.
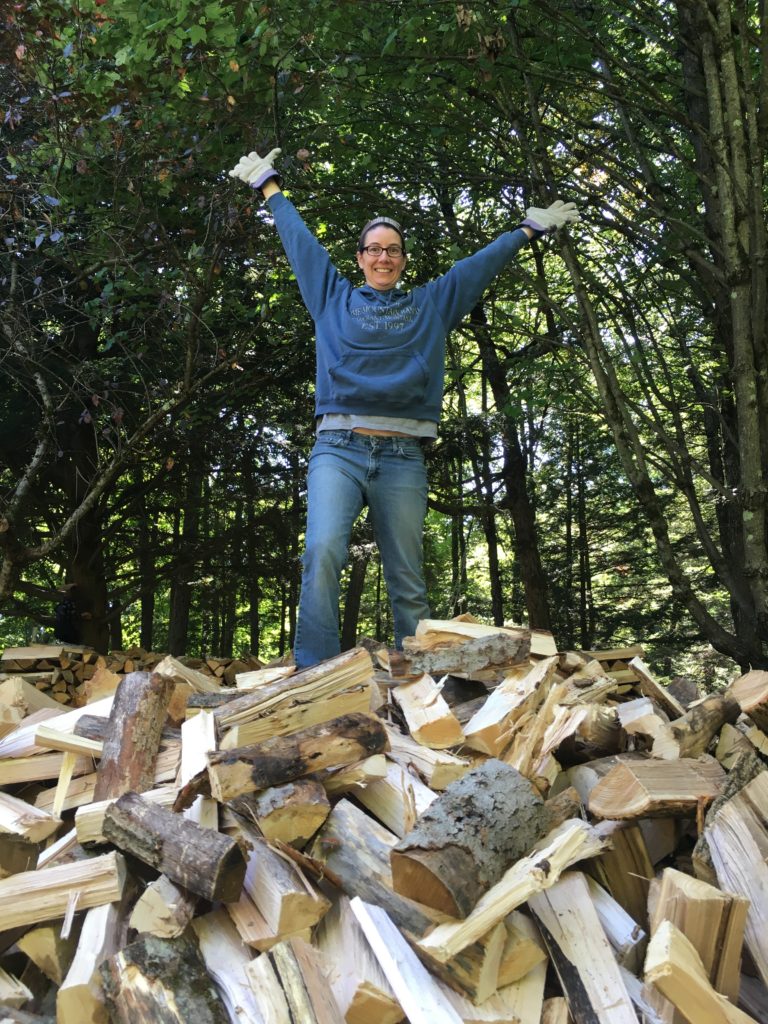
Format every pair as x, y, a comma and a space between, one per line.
487, 831
71, 675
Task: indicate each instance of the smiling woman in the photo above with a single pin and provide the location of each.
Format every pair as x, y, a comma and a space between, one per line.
378, 395
380, 253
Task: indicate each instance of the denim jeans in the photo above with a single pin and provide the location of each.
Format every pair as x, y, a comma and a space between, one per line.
346, 472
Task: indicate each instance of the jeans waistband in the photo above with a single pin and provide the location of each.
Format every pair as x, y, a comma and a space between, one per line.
346, 438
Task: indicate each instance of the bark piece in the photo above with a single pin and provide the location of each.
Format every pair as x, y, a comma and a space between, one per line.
132, 740
691, 735
199, 859
161, 980
581, 953
656, 787
465, 841
285, 758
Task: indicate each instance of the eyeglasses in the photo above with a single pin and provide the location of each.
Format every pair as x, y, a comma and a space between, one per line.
376, 250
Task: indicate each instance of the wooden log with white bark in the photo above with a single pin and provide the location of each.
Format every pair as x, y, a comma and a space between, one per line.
465, 841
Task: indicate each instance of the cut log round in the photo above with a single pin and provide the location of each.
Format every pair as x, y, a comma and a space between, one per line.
464, 842
199, 859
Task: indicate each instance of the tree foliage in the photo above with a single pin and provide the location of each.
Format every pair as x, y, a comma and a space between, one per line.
602, 462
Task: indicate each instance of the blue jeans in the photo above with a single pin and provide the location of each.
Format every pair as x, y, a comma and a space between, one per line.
346, 472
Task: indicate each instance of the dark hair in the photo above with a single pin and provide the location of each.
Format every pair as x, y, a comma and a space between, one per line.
384, 222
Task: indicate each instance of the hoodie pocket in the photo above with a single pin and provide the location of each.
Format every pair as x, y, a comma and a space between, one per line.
398, 378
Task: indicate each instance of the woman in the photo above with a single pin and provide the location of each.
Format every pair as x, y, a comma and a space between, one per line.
379, 387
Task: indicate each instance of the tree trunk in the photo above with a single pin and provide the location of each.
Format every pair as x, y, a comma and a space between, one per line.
181, 588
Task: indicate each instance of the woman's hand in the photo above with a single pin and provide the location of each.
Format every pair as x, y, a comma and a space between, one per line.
553, 217
257, 170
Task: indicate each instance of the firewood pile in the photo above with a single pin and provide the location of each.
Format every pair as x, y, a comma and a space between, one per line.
73, 675
484, 830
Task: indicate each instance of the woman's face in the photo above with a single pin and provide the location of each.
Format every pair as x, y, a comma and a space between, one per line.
383, 271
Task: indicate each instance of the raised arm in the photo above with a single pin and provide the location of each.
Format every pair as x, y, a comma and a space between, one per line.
316, 275
459, 290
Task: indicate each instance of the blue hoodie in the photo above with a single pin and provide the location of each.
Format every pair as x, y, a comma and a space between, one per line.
382, 353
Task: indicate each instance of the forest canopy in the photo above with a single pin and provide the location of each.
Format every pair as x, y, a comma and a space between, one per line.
602, 460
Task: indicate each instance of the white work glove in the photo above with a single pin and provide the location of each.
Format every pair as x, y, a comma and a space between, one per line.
555, 216
254, 170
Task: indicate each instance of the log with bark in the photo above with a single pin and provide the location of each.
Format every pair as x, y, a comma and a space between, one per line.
464, 842
198, 859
